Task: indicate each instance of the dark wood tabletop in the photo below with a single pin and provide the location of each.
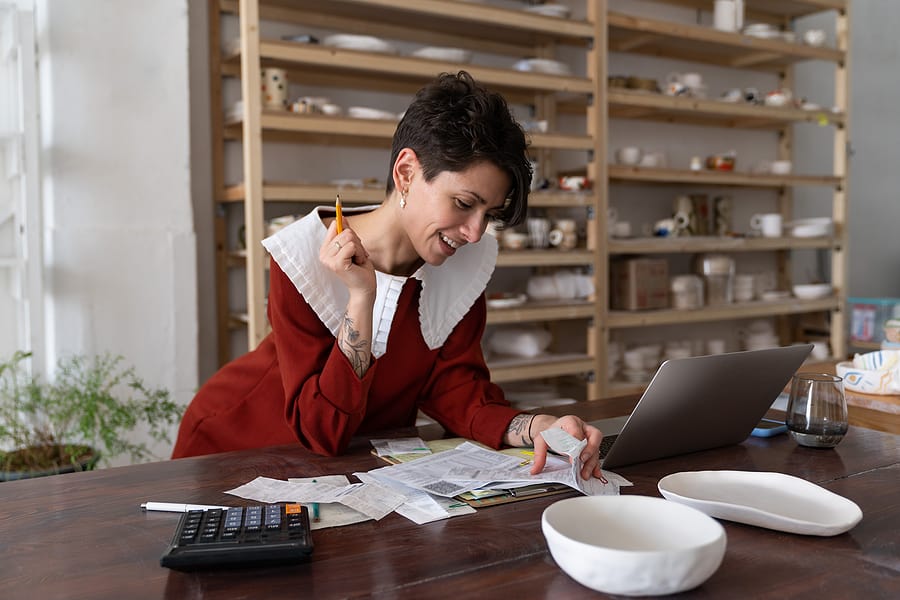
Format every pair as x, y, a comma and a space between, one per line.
83, 535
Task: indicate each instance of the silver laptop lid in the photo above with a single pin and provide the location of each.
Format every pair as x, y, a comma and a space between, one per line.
704, 402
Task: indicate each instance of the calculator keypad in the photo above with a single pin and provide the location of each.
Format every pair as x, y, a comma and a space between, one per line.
252, 535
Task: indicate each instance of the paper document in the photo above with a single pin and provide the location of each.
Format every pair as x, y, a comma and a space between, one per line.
428, 473
400, 446
332, 514
556, 471
421, 507
373, 500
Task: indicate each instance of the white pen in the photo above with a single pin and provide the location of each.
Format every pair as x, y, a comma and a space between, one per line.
175, 507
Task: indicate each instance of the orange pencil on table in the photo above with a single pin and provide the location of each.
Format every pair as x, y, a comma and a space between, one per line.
339, 218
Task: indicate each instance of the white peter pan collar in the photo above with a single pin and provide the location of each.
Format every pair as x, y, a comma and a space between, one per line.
448, 291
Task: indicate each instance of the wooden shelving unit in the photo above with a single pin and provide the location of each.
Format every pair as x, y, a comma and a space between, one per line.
494, 30
477, 27
703, 45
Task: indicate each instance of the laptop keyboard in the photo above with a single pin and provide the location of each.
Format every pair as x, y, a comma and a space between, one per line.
606, 444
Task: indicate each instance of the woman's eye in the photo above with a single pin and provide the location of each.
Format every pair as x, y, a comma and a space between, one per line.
462, 204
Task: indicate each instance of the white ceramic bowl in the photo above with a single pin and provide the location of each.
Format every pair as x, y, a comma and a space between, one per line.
812, 291
812, 227
633, 545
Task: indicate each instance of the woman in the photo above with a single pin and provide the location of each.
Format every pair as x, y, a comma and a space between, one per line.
370, 325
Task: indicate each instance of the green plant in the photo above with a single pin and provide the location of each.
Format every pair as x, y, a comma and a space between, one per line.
88, 408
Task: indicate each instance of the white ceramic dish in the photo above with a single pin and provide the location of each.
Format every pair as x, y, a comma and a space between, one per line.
506, 300
775, 295
457, 55
366, 43
771, 500
549, 10
633, 545
543, 65
812, 291
812, 227
872, 373
364, 112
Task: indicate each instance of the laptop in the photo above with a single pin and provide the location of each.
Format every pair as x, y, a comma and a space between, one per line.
699, 403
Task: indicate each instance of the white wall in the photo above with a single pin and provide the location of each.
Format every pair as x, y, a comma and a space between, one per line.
119, 222
874, 218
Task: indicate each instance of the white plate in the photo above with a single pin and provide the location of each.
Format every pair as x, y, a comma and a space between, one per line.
366, 43
549, 10
457, 55
771, 500
364, 112
542, 65
507, 301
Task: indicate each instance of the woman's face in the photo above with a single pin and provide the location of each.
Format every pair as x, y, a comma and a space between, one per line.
453, 209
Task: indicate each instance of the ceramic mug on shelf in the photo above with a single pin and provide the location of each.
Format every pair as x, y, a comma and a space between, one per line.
728, 15
629, 155
538, 232
274, 88
563, 235
767, 224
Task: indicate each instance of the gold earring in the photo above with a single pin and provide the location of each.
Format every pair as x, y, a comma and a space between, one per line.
403, 195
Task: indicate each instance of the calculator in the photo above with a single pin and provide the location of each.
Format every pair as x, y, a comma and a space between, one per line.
258, 535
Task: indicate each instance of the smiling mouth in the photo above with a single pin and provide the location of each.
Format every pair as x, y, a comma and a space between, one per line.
450, 242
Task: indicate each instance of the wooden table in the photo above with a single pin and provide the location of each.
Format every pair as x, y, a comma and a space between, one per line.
84, 536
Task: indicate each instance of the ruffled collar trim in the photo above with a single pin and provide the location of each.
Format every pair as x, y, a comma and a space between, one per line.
448, 291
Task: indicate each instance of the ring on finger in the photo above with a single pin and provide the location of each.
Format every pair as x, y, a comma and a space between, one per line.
338, 244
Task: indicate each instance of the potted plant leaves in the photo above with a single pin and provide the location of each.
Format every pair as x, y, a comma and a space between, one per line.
79, 418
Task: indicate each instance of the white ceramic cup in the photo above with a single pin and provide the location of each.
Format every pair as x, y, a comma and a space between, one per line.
274, 88
814, 37
514, 240
538, 232
629, 155
780, 167
563, 235
728, 15
621, 229
767, 224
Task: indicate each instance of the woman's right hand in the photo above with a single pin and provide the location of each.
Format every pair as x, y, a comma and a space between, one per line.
344, 255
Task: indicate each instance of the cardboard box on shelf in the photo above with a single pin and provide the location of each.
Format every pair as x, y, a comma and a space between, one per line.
639, 283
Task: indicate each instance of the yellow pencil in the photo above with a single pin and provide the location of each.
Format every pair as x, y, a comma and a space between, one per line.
339, 217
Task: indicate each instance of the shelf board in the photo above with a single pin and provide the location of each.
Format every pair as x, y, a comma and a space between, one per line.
325, 129
696, 43
544, 258
773, 9
285, 191
319, 193
541, 311
620, 319
652, 106
312, 59
688, 244
557, 198
622, 173
546, 365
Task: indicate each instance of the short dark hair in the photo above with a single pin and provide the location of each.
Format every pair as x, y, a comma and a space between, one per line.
454, 123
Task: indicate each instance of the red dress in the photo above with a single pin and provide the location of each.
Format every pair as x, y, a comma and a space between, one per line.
298, 386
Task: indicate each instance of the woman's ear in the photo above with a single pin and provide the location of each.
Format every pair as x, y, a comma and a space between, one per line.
405, 168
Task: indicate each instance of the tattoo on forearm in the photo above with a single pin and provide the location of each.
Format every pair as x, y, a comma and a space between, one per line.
354, 348
518, 429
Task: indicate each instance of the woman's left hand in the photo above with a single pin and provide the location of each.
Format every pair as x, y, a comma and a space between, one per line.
590, 454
